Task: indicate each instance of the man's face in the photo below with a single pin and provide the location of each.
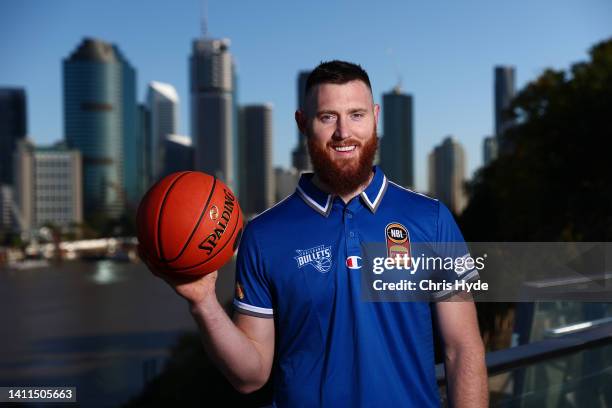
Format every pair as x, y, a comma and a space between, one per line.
340, 124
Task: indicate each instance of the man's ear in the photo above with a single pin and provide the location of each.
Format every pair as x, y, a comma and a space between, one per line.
300, 120
376, 112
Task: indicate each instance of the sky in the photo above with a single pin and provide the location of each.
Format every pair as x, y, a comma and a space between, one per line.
443, 52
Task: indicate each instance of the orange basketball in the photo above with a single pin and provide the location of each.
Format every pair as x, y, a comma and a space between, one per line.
189, 223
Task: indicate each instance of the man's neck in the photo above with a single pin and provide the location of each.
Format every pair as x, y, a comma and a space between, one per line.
345, 197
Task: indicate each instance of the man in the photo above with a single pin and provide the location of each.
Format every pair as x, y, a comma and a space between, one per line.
297, 278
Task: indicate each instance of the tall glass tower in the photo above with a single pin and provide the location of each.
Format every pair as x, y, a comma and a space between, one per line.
300, 156
447, 174
163, 103
505, 91
257, 176
397, 154
13, 127
213, 108
101, 120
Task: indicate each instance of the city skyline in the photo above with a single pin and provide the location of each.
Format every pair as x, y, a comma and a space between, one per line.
444, 57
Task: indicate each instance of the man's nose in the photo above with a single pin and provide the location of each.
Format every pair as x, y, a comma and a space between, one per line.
342, 130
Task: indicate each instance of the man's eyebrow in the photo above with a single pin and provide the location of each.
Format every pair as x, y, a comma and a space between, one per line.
328, 111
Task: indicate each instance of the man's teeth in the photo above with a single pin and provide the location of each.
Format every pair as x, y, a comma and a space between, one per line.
344, 148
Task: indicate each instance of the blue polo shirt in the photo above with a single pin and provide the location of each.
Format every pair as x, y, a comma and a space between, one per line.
298, 263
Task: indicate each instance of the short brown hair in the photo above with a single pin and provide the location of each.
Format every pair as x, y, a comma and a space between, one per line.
336, 72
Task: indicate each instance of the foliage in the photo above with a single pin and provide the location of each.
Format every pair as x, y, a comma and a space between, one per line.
553, 181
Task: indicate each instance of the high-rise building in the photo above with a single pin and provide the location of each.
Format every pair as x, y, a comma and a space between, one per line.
504, 93
300, 157
163, 103
257, 186
178, 154
213, 108
489, 149
144, 153
6, 208
48, 185
285, 180
447, 174
131, 135
13, 127
397, 154
101, 121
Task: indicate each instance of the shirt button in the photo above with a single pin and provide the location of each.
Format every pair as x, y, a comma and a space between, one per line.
351, 234
349, 215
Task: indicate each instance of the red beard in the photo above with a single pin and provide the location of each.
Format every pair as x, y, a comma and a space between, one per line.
343, 176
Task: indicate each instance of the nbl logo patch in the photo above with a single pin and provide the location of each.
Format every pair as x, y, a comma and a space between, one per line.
398, 241
319, 257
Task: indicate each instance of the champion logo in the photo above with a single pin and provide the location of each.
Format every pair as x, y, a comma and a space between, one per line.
353, 262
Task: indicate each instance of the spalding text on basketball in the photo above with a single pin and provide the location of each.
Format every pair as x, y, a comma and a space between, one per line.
210, 242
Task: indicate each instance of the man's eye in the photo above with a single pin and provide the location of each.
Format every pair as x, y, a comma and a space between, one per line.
358, 115
327, 118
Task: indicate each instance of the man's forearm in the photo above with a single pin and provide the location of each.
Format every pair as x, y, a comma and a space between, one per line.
231, 350
466, 377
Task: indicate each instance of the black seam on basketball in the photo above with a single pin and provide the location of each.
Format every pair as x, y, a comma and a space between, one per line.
212, 190
159, 216
211, 257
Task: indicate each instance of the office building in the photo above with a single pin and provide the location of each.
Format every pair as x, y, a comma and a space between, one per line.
213, 108
144, 153
300, 157
6, 208
101, 121
178, 154
13, 127
397, 152
505, 90
257, 177
447, 166
48, 185
286, 181
163, 108
489, 149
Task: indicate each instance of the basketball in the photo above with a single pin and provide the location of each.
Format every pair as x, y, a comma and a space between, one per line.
189, 223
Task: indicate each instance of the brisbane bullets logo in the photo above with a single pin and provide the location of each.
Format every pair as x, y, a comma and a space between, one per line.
398, 241
223, 220
319, 257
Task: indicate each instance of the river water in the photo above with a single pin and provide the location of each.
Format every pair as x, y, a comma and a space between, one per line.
102, 327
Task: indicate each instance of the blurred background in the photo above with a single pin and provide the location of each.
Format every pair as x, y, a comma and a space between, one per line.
501, 111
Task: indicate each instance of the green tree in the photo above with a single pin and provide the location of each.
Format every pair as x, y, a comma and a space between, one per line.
554, 181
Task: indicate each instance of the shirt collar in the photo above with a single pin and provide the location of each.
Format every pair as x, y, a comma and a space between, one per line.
321, 202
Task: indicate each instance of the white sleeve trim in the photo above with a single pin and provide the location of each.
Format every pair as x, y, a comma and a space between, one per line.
250, 308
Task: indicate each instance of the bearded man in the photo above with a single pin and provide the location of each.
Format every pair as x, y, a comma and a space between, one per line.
300, 315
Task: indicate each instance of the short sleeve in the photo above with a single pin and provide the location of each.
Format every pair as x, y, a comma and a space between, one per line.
450, 245
252, 294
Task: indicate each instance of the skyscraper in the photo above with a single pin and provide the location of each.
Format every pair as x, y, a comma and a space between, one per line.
100, 120
13, 127
396, 156
6, 208
489, 149
178, 154
144, 153
163, 103
300, 157
447, 174
212, 107
131, 136
504, 93
257, 191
